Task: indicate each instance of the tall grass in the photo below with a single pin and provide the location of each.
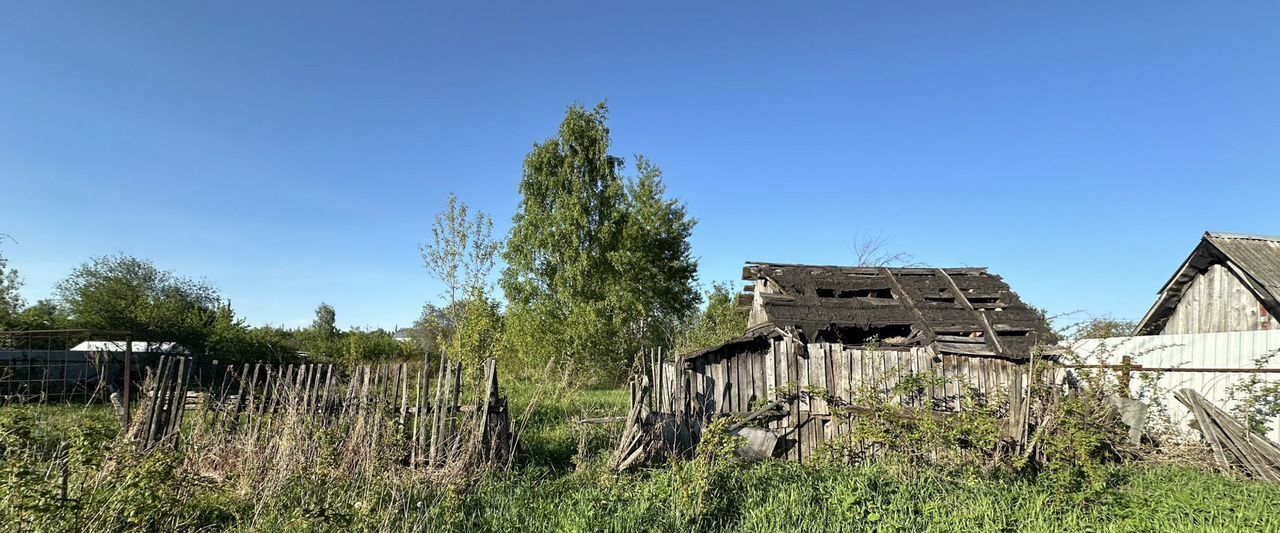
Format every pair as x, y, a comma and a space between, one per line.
559, 483
788, 497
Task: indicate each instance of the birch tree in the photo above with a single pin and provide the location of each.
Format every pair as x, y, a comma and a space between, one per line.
596, 261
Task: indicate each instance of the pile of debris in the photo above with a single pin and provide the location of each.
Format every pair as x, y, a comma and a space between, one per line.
647, 434
1233, 444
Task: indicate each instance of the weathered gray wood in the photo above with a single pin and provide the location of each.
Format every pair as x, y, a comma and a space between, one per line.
767, 409
453, 404
416, 449
1217, 301
315, 402
183, 387
437, 410
176, 397
858, 378
1014, 417
426, 399
906, 370
922, 324
309, 390
836, 372
490, 367
402, 380
159, 385
804, 358
726, 377
778, 373
789, 349
818, 377
992, 341
1233, 444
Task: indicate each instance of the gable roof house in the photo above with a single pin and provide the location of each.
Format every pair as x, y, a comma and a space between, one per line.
840, 330
1229, 283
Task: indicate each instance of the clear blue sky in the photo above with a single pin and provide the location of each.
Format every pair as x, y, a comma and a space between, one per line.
295, 153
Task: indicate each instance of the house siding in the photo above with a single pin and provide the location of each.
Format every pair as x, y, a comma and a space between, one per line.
1216, 302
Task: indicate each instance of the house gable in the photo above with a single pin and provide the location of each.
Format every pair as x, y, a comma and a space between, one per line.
1228, 283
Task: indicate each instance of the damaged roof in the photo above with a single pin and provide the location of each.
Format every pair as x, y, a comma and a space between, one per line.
966, 311
1253, 259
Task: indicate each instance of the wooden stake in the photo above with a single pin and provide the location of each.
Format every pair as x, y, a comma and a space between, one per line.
436, 410
415, 447
153, 416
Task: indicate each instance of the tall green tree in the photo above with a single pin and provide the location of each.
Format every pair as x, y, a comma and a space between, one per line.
325, 325
654, 261
132, 294
322, 339
11, 302
462, 254
462, 251
598, 263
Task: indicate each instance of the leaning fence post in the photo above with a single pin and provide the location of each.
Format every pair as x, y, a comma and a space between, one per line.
489, 366
154, 409
128, 381
436, 409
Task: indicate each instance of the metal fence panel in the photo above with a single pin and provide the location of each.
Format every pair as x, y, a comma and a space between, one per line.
1239, 350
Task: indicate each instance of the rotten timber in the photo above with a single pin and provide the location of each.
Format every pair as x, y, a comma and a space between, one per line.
856, 304
438, 431
1235, 446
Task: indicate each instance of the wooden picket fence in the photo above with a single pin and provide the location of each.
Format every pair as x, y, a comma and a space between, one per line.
435, 421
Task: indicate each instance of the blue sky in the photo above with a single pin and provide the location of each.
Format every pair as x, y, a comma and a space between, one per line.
295, 153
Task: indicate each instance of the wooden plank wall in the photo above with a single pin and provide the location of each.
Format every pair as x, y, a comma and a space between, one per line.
724, 384
1217, 302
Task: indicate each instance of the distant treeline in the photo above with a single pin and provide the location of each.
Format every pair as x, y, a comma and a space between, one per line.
126, 293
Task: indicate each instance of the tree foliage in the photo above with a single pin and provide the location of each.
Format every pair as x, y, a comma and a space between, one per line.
478, 335
598, 263
462, 251
325, 325
127, 293
378, 345
1104, 327
131, 294
719, 322
434, 326
44, 314
462, 255
11, 302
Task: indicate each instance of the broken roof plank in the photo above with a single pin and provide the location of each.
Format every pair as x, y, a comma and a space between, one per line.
922, 324
816, 299
964, 349
991, 338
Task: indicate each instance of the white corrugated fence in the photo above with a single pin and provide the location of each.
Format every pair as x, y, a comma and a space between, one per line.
1219, 352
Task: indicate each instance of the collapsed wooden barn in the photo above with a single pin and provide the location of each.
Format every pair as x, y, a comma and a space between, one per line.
834, 330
